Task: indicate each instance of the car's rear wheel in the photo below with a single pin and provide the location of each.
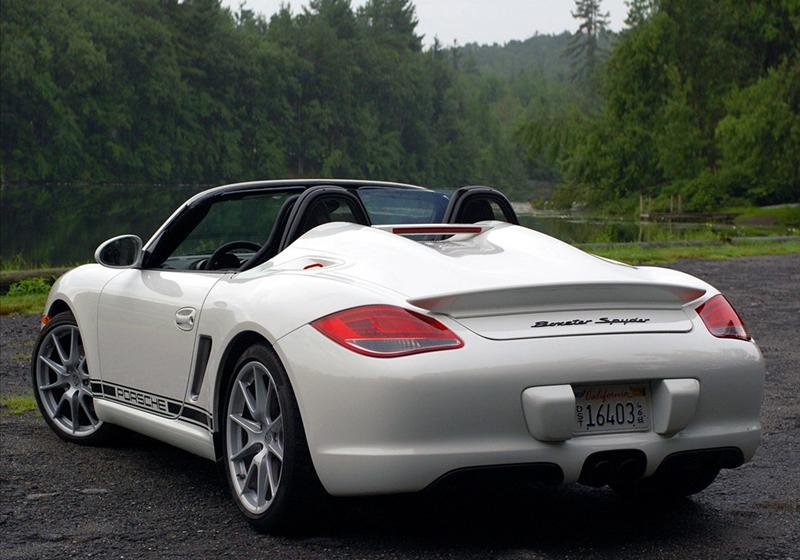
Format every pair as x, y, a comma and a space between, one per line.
61, 383
267, 462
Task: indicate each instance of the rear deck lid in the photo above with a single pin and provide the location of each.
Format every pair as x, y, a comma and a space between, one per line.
504, 282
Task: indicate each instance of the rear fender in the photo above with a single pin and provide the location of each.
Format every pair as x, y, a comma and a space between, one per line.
272, 306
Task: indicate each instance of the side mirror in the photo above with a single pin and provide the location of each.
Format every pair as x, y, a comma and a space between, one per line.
124, 251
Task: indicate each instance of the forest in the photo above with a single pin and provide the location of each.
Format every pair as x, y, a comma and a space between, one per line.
697, 98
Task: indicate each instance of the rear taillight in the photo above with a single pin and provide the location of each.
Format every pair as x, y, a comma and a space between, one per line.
386, 331
721, 319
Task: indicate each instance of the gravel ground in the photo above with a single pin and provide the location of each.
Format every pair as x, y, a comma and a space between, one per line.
142, 499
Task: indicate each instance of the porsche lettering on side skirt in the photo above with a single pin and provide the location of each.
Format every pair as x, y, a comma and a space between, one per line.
142, 399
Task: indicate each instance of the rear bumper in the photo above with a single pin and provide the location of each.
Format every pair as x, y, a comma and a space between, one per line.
599, 469
379, 426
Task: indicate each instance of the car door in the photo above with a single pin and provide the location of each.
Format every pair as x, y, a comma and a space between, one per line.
147, 317
147, 331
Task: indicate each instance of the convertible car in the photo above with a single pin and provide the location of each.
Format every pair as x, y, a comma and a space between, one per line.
357, 337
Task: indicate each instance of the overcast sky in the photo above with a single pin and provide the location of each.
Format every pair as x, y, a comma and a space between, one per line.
481, 21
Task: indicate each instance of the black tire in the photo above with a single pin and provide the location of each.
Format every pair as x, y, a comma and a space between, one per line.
300, 493
669, 486
104, 432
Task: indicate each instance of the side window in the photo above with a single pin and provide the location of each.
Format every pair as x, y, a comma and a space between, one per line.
247, 219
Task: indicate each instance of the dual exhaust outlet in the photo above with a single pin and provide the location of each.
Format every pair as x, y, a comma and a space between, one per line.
609, 467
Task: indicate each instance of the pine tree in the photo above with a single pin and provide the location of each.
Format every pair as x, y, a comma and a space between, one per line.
639, 11
394, 21
584, 50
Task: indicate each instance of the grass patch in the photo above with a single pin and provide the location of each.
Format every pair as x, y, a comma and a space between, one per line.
637, 255
25, 297
787, 215
29, 287
17, 404
26, 304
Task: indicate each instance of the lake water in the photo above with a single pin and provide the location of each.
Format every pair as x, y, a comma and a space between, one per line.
61, 225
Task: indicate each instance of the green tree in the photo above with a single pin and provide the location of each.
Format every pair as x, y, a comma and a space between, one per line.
639, 11
759, 138
584, 50
393, 22
698, 99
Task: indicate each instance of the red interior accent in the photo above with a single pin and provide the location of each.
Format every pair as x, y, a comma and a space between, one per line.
312, 265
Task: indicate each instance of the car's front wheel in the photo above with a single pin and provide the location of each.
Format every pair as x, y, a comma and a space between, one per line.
267, 462
61, 383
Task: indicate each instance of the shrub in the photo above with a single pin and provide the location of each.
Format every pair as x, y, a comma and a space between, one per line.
29, 286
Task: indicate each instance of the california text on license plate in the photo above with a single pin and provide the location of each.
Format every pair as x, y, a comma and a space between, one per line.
600, 409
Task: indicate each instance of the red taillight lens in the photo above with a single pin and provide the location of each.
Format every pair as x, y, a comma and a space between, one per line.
721, 319
385, 331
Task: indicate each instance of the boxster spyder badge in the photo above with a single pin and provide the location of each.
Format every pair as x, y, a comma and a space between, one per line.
600, 321
357, 337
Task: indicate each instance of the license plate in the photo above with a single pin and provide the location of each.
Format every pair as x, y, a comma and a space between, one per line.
602, 409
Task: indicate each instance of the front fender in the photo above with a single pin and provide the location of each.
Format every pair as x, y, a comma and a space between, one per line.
79, 289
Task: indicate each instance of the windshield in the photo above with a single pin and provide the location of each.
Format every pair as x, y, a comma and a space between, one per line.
403, 206
226, 233
243, 224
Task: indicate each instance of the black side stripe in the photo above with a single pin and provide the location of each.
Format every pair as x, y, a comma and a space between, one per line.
196, 415
153, 403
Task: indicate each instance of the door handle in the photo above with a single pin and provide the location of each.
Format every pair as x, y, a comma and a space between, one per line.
184, 318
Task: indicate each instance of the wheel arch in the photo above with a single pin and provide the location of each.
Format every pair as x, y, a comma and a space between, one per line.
238, 344
58, 305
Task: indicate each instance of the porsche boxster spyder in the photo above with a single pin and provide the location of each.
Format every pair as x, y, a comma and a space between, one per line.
358, 337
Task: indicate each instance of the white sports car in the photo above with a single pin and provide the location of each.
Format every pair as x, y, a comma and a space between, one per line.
356, 337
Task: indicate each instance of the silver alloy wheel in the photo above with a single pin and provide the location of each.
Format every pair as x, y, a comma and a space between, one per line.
254, 430
62, 379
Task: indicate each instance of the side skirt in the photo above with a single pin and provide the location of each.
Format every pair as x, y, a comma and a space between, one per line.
186, 436
152, 403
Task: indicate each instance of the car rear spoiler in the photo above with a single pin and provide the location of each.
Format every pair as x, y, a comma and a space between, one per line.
435, 229
584, 295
